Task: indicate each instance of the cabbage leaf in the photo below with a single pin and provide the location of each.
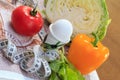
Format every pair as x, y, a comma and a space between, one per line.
87, 16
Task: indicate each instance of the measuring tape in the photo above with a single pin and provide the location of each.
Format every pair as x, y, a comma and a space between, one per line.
45, 70
49, 55
40, 58
35, 65
3, 43
10, 50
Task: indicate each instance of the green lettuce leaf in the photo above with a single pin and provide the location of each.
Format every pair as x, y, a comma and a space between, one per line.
63, 70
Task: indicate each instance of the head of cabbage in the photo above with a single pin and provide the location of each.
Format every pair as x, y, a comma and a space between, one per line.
87, 16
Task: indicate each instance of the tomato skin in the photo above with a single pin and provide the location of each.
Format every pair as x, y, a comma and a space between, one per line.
24, 23
84, 56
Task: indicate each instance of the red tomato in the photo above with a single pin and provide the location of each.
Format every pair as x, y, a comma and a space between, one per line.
24, 23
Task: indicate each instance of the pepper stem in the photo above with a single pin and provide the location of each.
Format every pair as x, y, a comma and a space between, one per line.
96, 40
34, 11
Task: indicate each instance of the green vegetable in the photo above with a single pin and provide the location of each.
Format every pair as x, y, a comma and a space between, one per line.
87, 16
54, 76
63, 70
55, 65
105, 21
45, 2
68, 74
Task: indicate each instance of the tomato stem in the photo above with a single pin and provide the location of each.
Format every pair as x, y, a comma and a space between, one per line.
34, 11
96, 40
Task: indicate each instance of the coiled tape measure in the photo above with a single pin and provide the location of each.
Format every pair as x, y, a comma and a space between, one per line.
40, 64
